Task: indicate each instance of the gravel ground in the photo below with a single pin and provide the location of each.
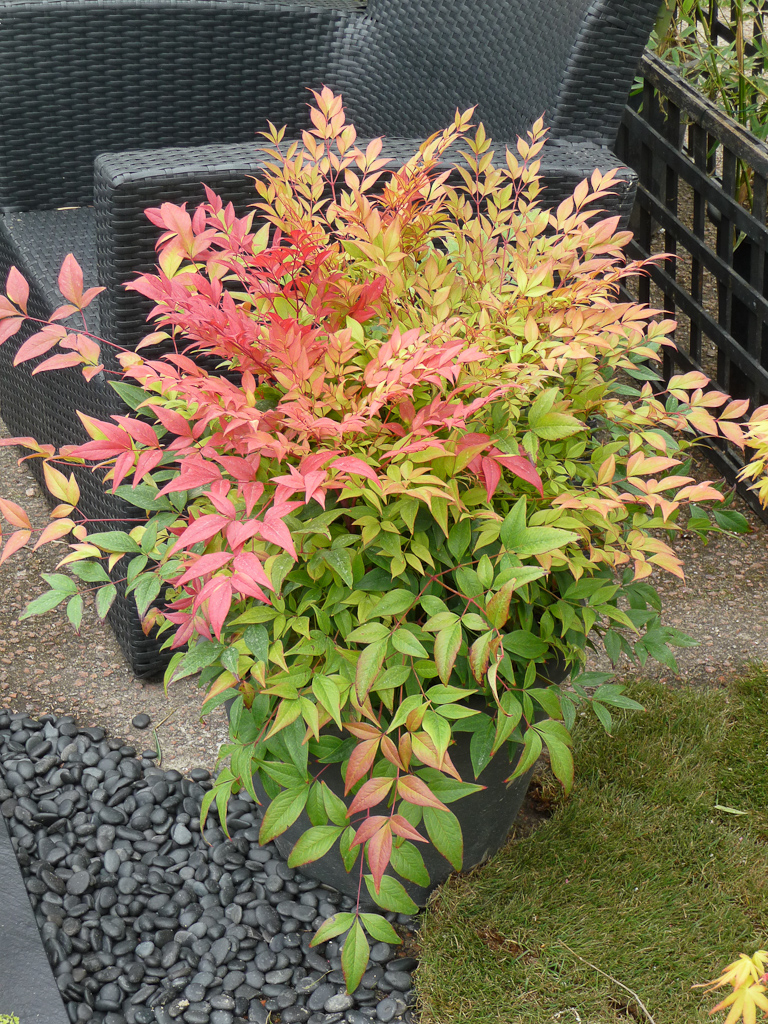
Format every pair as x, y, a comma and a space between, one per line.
146, 919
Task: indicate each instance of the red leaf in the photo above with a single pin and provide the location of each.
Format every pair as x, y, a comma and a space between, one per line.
379, 853
139, 430
416, 791
521, 467
248, 563
492, 475
370, 793
349, 464
360, 761
219, 603
201, 529
146, 462
205, 564
369, 828
71, 281
17, 289
402, 827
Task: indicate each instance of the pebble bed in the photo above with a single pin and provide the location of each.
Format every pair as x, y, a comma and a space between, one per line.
146, 920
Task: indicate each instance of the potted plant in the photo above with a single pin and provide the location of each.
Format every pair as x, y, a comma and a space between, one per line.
432, 476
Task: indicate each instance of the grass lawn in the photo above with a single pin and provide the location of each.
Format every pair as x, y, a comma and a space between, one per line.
637, 873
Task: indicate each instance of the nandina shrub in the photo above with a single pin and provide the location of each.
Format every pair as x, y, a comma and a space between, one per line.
434, 467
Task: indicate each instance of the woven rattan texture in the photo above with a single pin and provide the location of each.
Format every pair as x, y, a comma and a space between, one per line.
590, 101
79, 77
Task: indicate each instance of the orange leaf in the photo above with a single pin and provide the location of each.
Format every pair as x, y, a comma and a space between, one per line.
15, 541
360, 761
15, 515
54, 531
415, 791
370, 793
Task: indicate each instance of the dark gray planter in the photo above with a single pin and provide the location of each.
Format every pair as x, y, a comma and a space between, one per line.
485, 818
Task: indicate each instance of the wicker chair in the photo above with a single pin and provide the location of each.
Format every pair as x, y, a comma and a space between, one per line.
110, 106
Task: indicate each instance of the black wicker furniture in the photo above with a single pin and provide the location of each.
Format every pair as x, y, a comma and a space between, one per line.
110, 106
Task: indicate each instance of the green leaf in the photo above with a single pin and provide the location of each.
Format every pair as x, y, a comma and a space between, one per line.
603, 716
340, 561
379, 928
447, 644
50, 599
314, 844
327, 693
730, 520
114, 541
335, 807
513, 527
230, 659
459, 538
532, 748
332, 927
105, 597
549, 699
539, 539
524, 645
368, 667
354, 956
445, 834
406, 643
203, 654
391, 896
474, 622
282, 812
348, 852
75, 610
368, 633
146, 591
481, 745
433, 605
468, 582
394, 603
257, 641
90, 572
507, 719
58, 581
408, 862
144, 496
130, 394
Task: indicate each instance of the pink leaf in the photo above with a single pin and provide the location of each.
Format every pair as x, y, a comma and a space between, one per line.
17, 289
10, 326
71, 281
39, 343
59, 362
